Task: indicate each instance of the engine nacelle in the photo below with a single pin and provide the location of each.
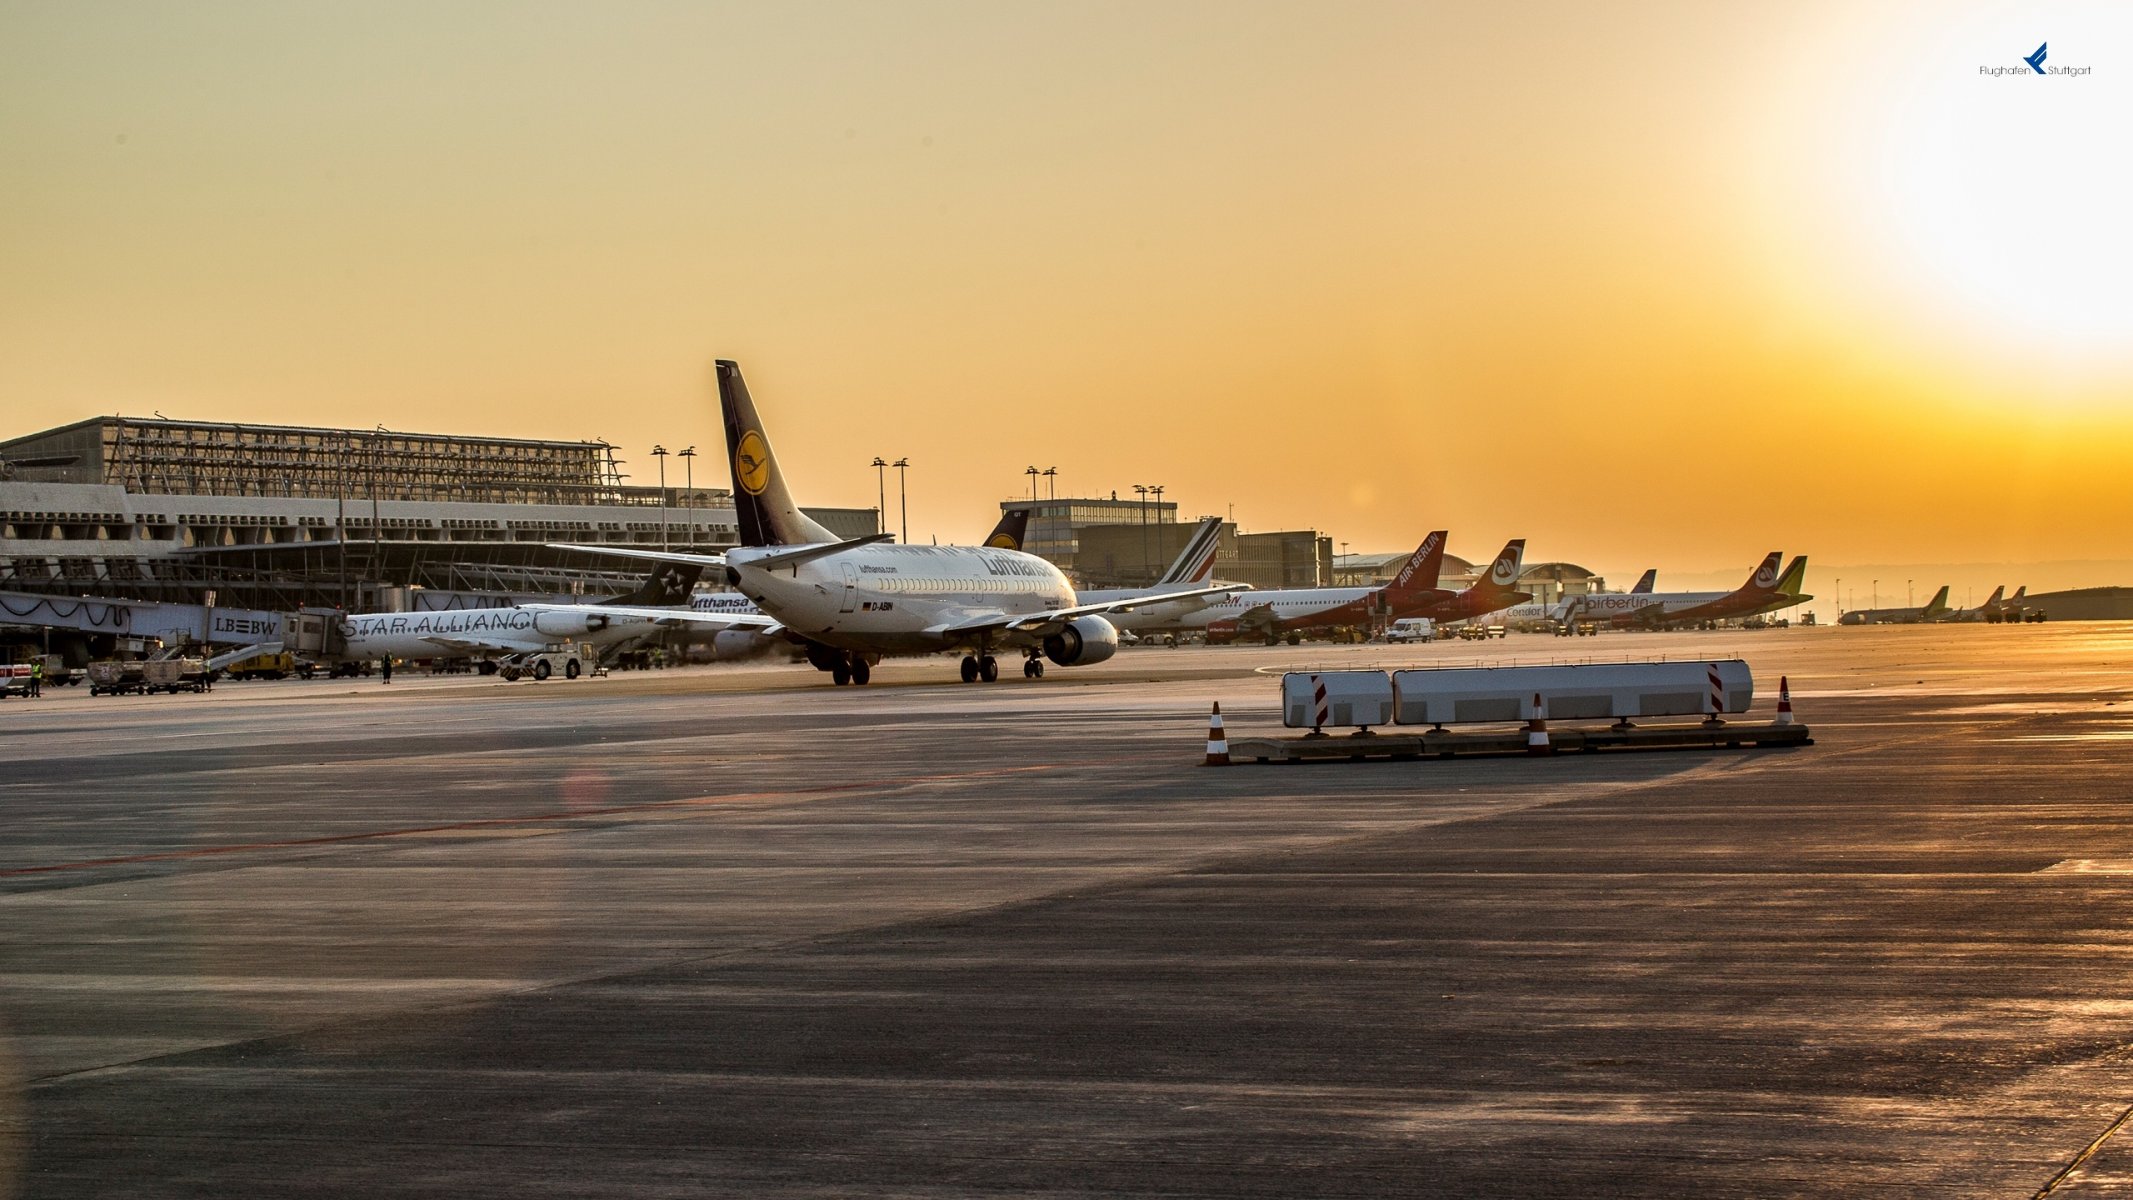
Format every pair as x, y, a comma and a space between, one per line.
732, 644
1085, 640
568, 624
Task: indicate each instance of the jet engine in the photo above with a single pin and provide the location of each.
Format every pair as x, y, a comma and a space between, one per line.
568, 624
1085, 640
733, 644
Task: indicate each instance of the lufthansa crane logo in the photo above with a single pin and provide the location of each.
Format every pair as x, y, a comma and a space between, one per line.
751, 464
1002, 541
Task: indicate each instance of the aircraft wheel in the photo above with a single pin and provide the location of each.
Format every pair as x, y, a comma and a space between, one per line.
1295, 639
541, 670
570, 669
970, 669
862, 670
989, 669
841, 674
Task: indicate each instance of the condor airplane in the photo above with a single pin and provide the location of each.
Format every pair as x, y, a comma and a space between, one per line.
1657, 610
474, 632
1272, 613
851, 602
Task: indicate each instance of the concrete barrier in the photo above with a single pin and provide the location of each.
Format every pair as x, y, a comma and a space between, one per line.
1595, 691
1315, 699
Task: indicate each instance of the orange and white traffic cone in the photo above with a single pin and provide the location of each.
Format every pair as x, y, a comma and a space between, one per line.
1217, 741
1537, 730
1784, 716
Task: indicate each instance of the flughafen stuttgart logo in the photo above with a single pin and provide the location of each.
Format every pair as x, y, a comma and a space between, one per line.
2033, 64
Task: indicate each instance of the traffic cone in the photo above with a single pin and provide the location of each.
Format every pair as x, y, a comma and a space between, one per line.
1217, 741
1784, 716
1537, 730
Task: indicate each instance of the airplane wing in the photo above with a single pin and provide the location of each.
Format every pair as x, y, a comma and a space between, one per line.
702, 560
1051, 621
465, 645
667, 616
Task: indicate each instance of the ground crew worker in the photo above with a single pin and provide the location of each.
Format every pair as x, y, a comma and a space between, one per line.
36, 678
388, 668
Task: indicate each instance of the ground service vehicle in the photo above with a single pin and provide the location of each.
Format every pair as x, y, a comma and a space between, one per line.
540, 664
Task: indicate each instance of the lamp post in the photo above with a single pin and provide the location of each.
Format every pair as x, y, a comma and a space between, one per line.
1141, 489
1840, 595
1910, 594
660, 452
1873, 599
1051, 483
1032, 472
688, 472
903, 499
881, 493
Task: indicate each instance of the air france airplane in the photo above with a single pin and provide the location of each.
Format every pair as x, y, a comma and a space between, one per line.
851, 602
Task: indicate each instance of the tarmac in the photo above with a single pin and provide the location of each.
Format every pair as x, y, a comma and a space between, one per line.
733, 931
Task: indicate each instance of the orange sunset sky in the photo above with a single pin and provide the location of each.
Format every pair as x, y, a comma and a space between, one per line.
1649, 284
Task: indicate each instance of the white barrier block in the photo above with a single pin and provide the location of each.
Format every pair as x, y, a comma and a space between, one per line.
1311, 699
1617, 691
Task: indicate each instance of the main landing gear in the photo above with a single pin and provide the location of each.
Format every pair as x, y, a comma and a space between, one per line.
976, 667
851, 668
1033, 666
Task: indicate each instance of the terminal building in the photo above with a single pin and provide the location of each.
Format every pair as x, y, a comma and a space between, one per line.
1130, 543
281, 517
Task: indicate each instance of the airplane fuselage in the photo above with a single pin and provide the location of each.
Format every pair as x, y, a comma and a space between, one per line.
894, 599
474, 632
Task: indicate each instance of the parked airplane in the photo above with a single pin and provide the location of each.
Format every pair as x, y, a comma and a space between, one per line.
849, 602
1992, 606
1644, 584
1931, 610
1791, 589
2013, 608
1657, 610
1494, 590
1194, 565
1273, 613
1534, 614
480, 632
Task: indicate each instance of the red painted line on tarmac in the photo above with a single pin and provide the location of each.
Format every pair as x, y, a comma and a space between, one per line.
493, 822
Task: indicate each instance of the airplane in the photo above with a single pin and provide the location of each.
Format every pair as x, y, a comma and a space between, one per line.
1658, 610
1558, 612
1931, 610
1195, 564
850, 602
2013, 608
1992, 607
1494, 590
728, 645
1273, 613
521, 628
1790, 589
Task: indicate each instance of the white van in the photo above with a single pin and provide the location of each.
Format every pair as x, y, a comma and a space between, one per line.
1411, 629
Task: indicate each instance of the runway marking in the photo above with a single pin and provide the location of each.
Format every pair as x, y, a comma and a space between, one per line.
2087, 1152
498, 823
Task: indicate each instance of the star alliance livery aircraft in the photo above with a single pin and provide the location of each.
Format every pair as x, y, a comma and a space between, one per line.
521, 628
851, 602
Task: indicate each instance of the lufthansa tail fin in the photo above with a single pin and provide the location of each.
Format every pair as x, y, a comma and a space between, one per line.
1423, 566
1011, 532
1197, 560
665, 586
1645, 584
764, 508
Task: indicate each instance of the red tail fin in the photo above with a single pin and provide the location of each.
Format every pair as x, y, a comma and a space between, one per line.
1765, 578
1420, 573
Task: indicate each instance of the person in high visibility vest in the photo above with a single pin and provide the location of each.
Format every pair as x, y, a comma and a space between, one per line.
36, 678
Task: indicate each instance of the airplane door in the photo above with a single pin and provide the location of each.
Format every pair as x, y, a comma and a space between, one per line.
851, 588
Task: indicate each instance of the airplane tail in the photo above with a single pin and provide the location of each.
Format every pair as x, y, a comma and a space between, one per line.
1503, 573
2021, 594
1993, 601
1646, 583
764, 508
1011, 532
1765, 577
1794, 581
1939, 602
1423, 566
1196, 562
666, 586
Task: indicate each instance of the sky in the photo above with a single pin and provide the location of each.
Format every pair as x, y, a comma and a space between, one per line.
1647, 284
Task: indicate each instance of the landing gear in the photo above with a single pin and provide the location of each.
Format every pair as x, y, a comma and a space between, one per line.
970, 668
862, 670
976, 667
1033, 667
841, 674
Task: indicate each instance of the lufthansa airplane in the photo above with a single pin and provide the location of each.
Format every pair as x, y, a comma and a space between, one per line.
851, 602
